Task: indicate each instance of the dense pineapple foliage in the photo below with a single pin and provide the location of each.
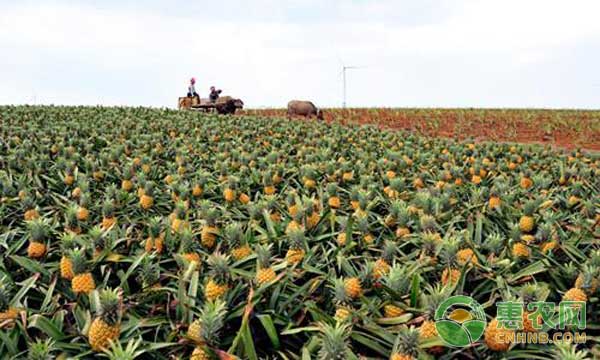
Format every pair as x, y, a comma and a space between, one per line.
251, 237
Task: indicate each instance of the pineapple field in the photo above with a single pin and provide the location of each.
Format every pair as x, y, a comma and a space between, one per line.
159, 234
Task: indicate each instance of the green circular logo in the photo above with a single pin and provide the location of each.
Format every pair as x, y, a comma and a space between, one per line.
460, 320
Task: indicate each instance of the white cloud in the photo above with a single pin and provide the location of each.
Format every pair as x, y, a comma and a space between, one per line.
468, 53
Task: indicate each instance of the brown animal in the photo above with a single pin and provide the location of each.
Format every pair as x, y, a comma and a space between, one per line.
228, 105
304, 108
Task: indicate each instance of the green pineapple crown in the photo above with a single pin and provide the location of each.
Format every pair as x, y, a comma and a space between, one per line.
428, 223
544, 232
71, 216
98, 238
363, 224
332, 189
212, 319
397, 184
407, 342
38, 229
155, 226
529, 207
340, 296
149, 188
263, 255
68, 241
187, 242
334, 341
390, 249
108, 208
530, 293
234, 234
78, 260
219, 268
398, 279
448, 251
432, 299
41, 349
180, 209
109, 308
149, 272
296, 239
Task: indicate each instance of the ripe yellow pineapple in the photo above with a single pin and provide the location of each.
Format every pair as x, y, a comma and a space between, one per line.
107, 323
218, 278
391, 310
497, 338
520, 250
575, 294
450, 276
83, 281
353, 287
465, 256
494, 201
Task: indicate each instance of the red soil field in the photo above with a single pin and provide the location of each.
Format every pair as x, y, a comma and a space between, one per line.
568, 129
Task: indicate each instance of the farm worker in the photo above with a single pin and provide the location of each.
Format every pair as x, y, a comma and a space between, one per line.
214, 94
191, 88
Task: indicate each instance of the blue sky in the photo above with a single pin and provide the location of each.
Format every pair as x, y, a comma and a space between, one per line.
433, 53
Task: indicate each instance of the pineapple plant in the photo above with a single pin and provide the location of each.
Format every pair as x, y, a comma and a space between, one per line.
68, 241
219, 277
206, 330
83, 281
188, 247
38, 232
209, 229
82, 211
406, 345
264, 271
230, 191
156, 236
333, 342
109, 220
341, 300
397, 285
106, 326
147, 199
8, 313
383, 264
236, 242
296, 245
178, 217
527, 221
